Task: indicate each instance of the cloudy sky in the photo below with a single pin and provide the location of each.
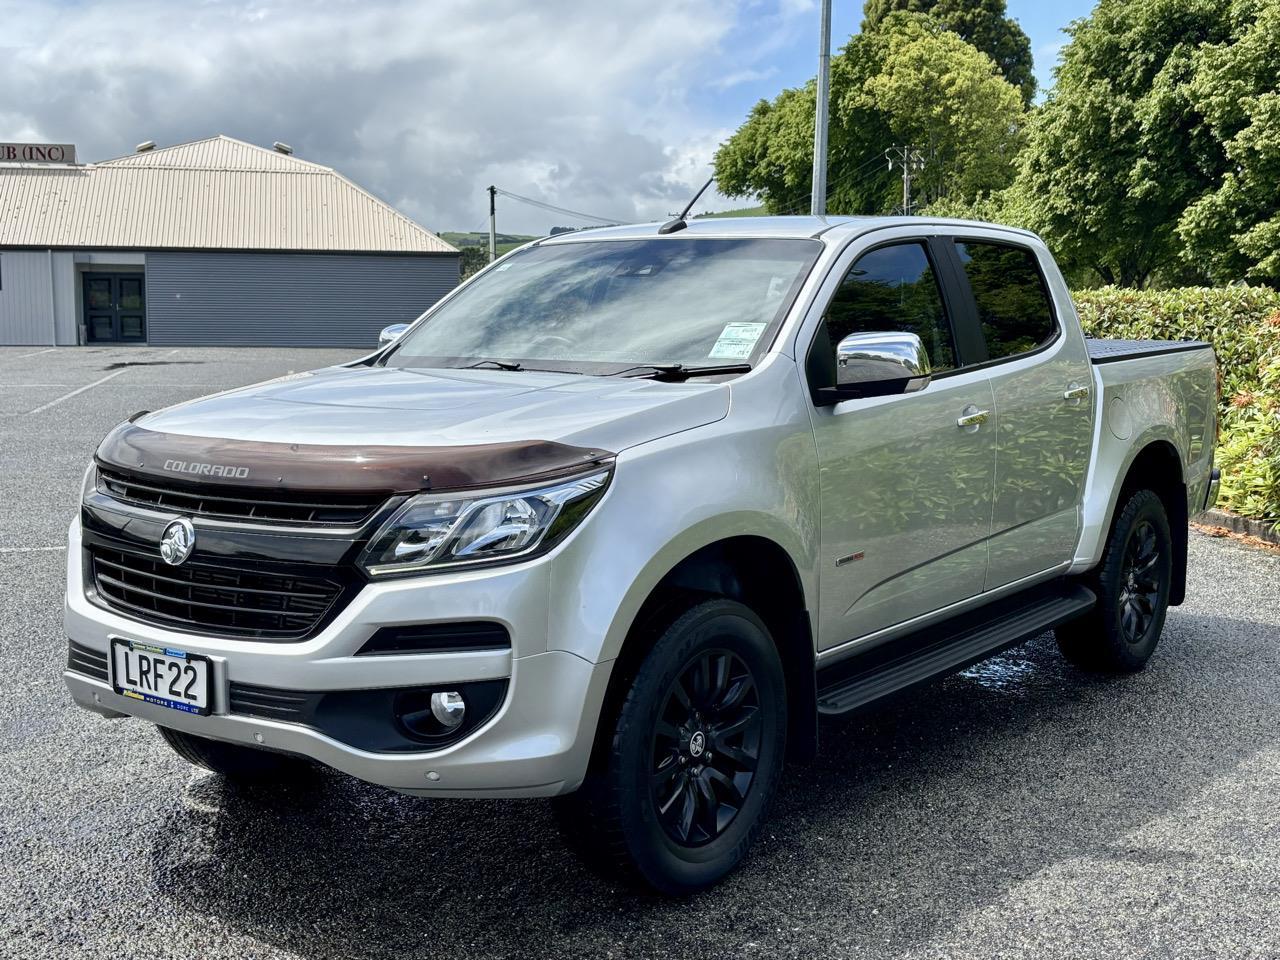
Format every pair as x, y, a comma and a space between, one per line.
614, 108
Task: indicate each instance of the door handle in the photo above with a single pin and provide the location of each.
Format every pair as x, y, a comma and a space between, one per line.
1075, 392
971, 416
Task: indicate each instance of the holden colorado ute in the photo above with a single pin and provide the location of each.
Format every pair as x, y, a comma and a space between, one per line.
622, 517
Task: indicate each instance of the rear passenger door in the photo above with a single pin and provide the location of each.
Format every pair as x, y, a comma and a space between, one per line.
1042, 380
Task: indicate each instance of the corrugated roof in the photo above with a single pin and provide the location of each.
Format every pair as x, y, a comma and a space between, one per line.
215, 194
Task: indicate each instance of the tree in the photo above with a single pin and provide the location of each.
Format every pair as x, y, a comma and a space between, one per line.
946, 99
474, 259
982, 23
908, 81
1119, 151
1234, 230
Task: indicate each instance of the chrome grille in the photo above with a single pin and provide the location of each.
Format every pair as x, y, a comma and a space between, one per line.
211, 595
226, 503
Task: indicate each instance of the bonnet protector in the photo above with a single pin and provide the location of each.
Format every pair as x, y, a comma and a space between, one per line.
250, 464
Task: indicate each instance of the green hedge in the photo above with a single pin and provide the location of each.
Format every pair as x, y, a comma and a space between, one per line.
1243, 324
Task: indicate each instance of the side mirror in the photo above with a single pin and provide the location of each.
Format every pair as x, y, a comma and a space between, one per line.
878, 364
392, 333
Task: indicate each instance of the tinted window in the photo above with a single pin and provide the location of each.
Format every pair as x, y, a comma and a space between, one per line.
893, 289
1013, 304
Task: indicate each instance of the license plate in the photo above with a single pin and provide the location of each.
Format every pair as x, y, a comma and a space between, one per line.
163, 675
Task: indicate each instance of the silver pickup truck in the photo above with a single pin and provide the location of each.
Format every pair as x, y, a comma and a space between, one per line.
619, 519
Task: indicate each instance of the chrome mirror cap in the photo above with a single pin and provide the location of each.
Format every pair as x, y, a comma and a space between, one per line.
883, 359
392, 333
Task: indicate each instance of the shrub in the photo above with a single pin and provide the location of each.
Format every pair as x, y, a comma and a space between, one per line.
1243, 324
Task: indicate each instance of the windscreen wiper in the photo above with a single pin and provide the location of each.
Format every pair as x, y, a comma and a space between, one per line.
675, 372
500, 364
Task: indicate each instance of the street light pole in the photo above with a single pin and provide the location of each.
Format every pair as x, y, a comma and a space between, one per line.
493, 223
818, 203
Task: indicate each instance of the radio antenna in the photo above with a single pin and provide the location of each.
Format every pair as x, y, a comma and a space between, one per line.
671, 226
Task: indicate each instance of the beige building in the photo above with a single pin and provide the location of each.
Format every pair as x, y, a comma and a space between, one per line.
215, 241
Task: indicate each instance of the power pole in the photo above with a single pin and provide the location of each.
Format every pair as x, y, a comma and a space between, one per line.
818, 202
493, 223
911, 161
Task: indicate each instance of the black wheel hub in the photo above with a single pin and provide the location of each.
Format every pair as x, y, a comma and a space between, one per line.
706, 746
1140, 582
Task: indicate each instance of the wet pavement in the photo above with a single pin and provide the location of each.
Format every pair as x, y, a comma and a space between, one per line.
1021, 809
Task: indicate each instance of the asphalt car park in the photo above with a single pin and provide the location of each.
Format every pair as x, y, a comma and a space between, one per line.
1022, 808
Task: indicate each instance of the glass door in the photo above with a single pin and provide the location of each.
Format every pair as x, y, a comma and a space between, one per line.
115, 307
130, 308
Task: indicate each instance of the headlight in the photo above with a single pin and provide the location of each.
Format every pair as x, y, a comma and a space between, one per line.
89, 483
442, 530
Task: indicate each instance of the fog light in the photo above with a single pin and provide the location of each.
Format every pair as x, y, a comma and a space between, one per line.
448, 708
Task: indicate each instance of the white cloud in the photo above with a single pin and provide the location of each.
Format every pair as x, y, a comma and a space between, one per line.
739, 77
591, 106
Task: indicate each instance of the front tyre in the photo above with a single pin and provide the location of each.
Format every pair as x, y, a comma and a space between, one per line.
1133, 585
235, 762
695, 756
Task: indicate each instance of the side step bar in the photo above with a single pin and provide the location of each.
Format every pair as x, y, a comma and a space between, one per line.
950, 646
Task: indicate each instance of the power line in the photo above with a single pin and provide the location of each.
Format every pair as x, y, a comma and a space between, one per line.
797, 202
607, 221
848, 177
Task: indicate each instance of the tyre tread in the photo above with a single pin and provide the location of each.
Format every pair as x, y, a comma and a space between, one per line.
232, 760
591, 820
1092, 642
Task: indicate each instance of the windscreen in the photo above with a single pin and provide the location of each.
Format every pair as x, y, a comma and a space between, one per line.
591, 306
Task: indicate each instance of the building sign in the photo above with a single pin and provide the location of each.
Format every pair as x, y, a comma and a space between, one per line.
37, 153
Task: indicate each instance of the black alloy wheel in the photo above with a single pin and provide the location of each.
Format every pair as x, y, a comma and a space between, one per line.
706, 745
1141, 586
690, 758
1133, 583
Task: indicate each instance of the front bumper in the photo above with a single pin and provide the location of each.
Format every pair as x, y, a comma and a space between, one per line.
536, 744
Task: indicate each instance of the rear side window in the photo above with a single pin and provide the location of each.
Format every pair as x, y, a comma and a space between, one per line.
893, 290
1010, 294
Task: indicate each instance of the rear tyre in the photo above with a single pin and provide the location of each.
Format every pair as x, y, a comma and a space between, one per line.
694, 758
1133, 585
236, 762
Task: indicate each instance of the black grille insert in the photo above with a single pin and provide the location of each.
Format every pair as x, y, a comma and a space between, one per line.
226, 503
212, 596
288, 705
437, 638
80, 659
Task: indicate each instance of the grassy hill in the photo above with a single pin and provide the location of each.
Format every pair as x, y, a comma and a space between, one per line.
509, 241
506, 241
759, 211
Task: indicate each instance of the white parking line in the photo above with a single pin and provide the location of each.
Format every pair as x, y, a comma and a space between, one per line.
30, 549
23, 356
76, 392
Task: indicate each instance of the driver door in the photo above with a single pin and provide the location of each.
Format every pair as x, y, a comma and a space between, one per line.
906, 490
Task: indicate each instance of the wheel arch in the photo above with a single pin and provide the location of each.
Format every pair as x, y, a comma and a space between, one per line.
755, 570
1157, 466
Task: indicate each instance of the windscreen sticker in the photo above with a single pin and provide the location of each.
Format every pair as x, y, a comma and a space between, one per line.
736, 341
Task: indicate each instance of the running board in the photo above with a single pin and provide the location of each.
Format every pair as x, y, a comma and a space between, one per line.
949, 646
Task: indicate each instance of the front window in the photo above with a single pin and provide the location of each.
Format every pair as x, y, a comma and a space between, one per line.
893, 290
603, 306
